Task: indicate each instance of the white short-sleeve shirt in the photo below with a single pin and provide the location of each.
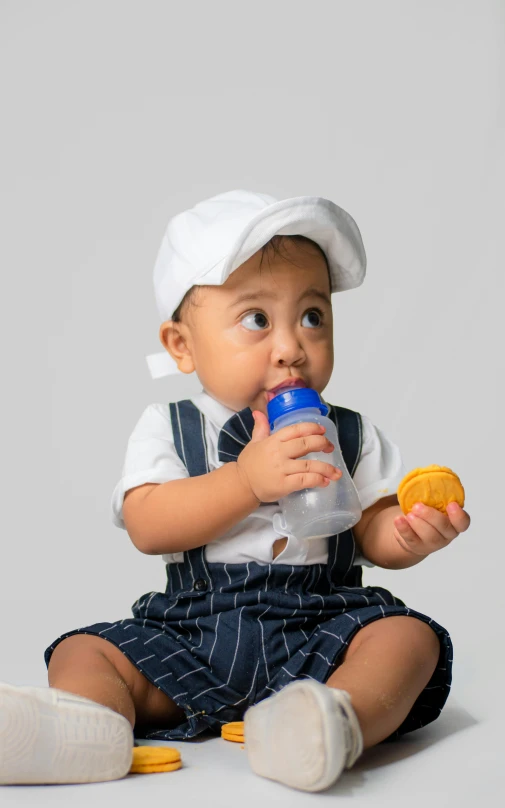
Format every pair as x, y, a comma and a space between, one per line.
151, 457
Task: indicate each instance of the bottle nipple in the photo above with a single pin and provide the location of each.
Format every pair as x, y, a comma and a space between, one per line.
287, 388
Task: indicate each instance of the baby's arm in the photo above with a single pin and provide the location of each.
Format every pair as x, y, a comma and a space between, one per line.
181, 514
389, 539
374, 535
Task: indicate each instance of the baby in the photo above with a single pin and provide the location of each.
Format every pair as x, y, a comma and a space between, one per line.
254, 624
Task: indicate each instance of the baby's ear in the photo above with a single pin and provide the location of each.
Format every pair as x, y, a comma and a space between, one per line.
175, 340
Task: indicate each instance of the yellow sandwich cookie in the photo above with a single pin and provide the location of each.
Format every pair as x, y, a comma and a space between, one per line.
152, 769
233, 731
148, 759
233, 738
434, 486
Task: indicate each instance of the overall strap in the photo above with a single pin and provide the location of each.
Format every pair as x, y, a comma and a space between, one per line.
188, 426
342, 547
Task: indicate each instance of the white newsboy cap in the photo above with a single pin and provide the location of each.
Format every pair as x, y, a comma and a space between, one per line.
204, 245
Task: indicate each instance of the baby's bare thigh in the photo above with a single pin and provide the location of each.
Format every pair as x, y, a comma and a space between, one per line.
413, 636
91, 656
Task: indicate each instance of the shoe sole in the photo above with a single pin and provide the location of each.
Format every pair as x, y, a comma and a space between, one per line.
294, 737
47, 739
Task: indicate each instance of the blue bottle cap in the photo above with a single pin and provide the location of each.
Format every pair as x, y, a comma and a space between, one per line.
295, 399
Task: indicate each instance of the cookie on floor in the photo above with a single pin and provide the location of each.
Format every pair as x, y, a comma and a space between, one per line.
149, 759
233, 731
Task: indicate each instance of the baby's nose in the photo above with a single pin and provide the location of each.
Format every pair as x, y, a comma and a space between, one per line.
288, 355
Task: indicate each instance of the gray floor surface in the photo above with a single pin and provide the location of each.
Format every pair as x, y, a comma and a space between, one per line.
456, 761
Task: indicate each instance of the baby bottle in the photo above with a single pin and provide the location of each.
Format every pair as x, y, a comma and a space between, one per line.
312, 513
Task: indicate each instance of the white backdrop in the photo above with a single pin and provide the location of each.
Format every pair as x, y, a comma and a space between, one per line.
117, 115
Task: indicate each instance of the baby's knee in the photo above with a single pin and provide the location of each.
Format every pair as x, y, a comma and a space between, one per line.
415, 637
80, 652
420, 639
87, 662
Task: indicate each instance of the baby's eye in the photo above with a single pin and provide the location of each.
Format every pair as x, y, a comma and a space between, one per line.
258, 317
316, 317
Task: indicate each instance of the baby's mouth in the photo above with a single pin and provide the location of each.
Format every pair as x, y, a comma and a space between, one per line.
282, 388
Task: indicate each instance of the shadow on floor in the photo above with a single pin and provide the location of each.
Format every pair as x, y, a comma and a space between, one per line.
453, 719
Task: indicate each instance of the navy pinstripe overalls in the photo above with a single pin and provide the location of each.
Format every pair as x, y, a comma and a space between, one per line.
224, 636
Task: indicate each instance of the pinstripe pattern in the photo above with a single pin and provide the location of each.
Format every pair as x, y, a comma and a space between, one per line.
224, 636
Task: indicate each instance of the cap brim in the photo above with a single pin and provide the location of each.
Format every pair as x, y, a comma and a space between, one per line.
316, 218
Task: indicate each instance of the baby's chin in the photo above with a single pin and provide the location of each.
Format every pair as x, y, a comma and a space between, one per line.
259, 402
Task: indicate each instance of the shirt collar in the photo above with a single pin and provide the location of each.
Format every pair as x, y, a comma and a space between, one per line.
215, 411
212, 408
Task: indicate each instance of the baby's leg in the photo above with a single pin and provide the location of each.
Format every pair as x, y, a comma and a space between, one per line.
95, 668
78, 730
307, 733
386, 667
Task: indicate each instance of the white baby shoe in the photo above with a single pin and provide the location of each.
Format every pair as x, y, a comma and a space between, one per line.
51, 736
303, 736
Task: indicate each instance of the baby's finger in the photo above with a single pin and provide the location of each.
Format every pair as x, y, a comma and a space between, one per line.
407, 538
304, 465
459, 518
299, 430
431, 516
304, 479
297, 447
429, 536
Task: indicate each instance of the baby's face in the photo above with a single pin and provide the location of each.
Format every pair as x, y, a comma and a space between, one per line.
242, 348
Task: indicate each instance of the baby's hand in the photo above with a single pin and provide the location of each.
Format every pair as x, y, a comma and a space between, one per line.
269, 463
425, 530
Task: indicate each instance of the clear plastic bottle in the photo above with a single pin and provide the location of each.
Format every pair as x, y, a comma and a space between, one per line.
312, 513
